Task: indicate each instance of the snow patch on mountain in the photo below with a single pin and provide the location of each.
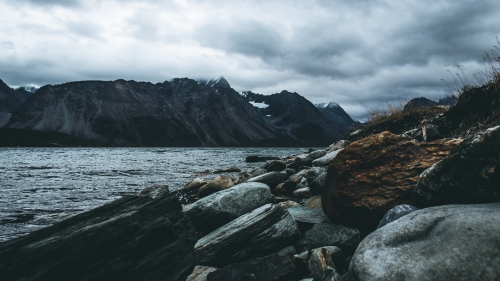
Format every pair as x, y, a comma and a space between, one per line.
259, 105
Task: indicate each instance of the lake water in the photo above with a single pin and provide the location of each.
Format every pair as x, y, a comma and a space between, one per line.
41, 186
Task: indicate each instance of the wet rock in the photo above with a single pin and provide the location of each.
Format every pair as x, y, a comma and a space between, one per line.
213, 211
314, 172
326, 234
318, 184
315, 155
374, 174
155, 191
325, 160
452, 242
195, 184
396, 213
272, 267
289, 171
314, 203
297, 163
297, 177
272, 179
470, 174
132, 238
254, 158
243, 176
228, 170
302, 192
200, 273
265, 230
287, 250
217, 184
307, 217
339, 145
275, 166
258, 172
431, 133
321, 264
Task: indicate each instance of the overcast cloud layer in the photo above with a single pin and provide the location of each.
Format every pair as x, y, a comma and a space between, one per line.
359, 54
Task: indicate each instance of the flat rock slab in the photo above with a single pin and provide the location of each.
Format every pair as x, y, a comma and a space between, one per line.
306, 215
215, 210
133, 238
452, 242
325, 160
265, 230
326, 234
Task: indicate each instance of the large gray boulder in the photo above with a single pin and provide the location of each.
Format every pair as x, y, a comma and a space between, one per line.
215, 210
272, 179
469, 175
452, 242
325, 160
263, 231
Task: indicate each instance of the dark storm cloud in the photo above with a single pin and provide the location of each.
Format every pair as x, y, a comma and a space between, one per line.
247, 37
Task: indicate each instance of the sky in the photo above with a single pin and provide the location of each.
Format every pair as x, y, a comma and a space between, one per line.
361, 54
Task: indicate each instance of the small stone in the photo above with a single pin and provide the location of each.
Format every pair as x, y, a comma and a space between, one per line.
302, 192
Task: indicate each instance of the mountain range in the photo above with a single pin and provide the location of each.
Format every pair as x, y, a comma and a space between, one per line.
180, 112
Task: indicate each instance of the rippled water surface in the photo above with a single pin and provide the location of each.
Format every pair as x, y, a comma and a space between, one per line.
41, 186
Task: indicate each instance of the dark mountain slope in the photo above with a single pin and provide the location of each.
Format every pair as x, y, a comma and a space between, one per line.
337, 114
298, 116
9, 102
181, 112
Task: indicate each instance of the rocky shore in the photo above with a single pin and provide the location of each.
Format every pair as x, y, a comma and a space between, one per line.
385, 207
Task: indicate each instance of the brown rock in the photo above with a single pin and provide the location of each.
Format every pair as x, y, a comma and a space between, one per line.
195, 184
217, 184
314, 202
288, 204
374, 174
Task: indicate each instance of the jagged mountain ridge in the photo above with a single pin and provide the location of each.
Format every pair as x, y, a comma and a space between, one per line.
298, 115
11, 100
337, 114
182, 112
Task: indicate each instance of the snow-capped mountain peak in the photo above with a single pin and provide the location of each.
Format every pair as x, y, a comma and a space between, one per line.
327, 105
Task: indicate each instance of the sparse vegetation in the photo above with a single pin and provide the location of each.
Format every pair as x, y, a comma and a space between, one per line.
491, 73
387, 111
